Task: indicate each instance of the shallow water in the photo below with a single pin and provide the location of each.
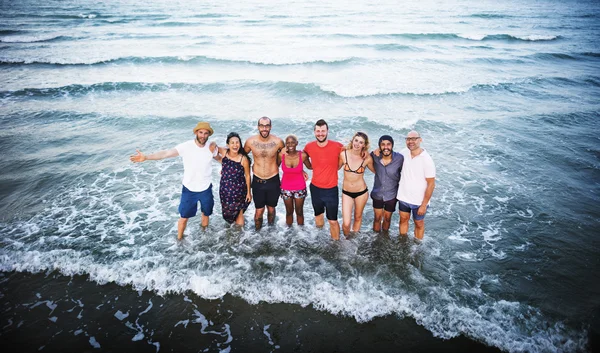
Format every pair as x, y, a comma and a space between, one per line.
504, 95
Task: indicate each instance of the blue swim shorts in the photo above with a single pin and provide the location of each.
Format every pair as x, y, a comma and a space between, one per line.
409, 207
188, 206
325, 200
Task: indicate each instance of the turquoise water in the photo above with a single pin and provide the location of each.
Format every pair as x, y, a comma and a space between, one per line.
504, 95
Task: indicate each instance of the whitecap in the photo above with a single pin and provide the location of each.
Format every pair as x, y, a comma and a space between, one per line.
466, 256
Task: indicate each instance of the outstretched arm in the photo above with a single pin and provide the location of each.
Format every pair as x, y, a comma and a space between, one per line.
140, 157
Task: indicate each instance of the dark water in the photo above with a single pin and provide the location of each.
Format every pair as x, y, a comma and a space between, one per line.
504, 95
79, 316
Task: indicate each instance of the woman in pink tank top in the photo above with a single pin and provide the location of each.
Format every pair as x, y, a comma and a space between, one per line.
293, 182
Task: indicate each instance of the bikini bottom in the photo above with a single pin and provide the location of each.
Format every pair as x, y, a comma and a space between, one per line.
354, 194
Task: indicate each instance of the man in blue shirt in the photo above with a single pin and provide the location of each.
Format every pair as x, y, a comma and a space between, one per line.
388, 167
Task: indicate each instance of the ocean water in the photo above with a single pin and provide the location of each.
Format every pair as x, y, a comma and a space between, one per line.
504, 94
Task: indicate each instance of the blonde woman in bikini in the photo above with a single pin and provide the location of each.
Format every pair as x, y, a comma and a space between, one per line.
355, 159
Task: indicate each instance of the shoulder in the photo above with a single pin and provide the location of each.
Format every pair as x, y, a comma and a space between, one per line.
427, 156
334, 145
310, 145
184, 145
245, 161
277, 140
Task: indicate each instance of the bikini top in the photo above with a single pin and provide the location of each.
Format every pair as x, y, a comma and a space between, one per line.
359, 170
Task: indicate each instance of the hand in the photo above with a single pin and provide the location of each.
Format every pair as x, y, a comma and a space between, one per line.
305, 174
138, 157
376, 152
422, 209
248, 197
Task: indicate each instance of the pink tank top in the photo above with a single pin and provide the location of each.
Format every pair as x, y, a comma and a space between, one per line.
293, 178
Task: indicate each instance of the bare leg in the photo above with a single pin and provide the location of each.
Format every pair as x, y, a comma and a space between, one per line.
419, 229
204, 222
258, 218
347, 205
181, 224
320, 220
334, 229
359, 206
404, 217
387, 220
270, 215
299, 205
240, 219
289, 211
378, 213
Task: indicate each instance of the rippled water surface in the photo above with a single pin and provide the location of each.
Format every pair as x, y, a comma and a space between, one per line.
505, 96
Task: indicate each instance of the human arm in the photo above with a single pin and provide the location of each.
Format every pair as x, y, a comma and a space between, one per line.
306, 160
246, 165
222, 151
140, 157
341, 160
369, 163
427, 196
247, 147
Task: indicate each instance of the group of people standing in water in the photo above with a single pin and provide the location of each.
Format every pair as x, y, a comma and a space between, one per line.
406, 178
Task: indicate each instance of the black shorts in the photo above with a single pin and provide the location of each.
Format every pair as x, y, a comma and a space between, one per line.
325, 200
388, 206
265, 191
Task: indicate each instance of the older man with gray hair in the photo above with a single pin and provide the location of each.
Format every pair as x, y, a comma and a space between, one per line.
416, 185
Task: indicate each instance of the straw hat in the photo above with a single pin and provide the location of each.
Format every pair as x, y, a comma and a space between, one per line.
203, 125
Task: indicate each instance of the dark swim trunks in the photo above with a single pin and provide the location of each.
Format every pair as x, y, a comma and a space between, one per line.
265, 191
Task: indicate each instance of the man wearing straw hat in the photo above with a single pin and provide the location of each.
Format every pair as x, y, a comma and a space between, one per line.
197, 172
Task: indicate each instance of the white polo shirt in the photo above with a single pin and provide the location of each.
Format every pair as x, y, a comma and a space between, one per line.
197, 165
412, 184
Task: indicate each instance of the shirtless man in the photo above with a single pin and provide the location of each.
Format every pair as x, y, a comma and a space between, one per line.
265, 180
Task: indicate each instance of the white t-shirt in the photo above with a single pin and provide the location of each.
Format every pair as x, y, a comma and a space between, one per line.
197, 165
414, 171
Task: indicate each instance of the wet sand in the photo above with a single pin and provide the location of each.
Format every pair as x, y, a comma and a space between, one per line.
56, 313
